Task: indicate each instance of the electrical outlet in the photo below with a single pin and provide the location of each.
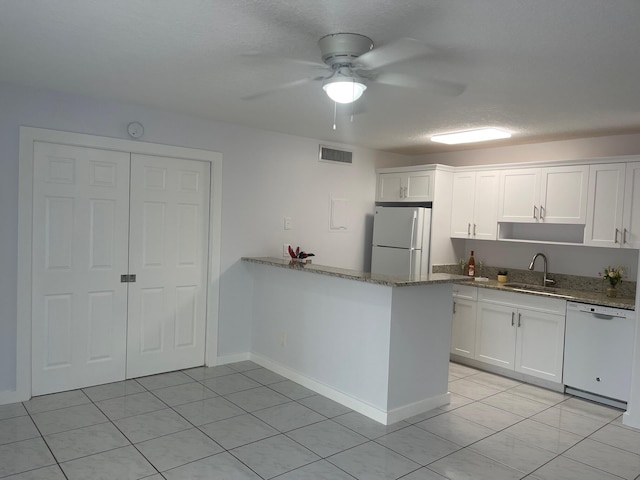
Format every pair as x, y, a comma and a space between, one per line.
285, 250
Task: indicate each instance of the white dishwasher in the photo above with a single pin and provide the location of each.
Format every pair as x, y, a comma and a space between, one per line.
598, 352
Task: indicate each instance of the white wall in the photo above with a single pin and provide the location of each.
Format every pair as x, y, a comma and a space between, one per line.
265, 177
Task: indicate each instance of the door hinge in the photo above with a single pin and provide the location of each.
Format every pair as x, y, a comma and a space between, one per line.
130, 278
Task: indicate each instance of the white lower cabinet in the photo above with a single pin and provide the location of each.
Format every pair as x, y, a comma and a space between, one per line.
463, 329
521, 332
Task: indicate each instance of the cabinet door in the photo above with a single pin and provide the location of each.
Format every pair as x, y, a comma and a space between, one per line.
462, 204
419, 186
463, 334
540, 344
390, 187
605, 205
496, 335
485, 217
631, 217
563, 194
518, 195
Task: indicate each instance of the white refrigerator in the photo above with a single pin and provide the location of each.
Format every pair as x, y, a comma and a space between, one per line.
401, 237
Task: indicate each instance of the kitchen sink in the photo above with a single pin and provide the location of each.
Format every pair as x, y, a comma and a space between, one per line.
539, 289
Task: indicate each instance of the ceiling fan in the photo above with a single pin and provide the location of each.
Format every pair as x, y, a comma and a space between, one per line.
352, 63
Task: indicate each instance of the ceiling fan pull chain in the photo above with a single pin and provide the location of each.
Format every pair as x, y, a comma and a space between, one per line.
334, 115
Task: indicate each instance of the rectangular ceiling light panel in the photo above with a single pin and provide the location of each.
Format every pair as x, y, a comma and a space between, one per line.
471, 136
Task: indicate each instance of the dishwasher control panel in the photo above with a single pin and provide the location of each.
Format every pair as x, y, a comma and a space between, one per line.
599, 309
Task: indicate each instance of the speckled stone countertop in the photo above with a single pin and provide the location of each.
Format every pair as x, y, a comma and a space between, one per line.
388, 281
592, 298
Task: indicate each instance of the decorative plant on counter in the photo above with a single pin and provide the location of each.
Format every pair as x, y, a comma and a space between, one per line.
298, 255
463, 263
613, 275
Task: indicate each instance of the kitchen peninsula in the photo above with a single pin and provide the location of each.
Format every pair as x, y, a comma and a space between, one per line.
377, 344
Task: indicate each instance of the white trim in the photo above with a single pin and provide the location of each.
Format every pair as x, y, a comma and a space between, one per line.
28, 136
381, 416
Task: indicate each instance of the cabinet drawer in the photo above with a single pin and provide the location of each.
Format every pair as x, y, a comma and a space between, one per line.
465, 291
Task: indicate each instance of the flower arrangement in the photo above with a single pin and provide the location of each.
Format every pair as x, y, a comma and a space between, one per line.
612, 275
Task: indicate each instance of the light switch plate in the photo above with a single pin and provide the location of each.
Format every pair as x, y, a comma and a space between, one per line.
288, 223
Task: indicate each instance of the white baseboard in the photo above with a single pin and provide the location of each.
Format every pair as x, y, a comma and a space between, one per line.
380, 416
523, 377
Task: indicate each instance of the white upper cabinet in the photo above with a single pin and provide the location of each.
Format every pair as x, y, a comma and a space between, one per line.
544, 195
613, 211
414, 186
519, 193
631, 210
474, 211
604, 209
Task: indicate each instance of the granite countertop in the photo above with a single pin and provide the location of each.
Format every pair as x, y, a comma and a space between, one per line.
386, 280
592, 298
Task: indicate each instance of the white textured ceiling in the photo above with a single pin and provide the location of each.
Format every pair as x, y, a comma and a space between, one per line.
545, 69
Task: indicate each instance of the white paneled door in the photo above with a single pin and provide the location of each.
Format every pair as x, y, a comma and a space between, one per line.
80, 242
168, 255
98, 215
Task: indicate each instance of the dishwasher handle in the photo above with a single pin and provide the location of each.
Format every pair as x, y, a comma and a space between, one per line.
602, 316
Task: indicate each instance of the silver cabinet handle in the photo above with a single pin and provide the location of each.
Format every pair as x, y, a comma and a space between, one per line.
513, 314
624, 236
535, 212
541, 212
454, 307
474, 229
615, 240
519, 318
468, 229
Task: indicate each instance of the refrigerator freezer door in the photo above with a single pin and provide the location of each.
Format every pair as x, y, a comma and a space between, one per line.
396, 261
399, 227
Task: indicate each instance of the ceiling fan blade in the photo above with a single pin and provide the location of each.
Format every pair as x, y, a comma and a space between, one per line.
270, 58
444, 87
398, 51
284, 86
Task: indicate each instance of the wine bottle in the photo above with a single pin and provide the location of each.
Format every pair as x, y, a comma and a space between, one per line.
471, 266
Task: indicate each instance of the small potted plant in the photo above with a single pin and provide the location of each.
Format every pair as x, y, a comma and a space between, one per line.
614, 277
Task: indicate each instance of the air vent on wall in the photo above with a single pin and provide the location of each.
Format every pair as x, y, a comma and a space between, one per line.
328, 154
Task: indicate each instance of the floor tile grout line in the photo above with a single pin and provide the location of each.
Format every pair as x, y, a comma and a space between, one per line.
368, 440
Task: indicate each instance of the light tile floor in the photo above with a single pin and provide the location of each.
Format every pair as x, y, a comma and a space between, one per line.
242, 421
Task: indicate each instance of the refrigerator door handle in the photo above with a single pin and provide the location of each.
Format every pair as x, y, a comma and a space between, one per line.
413, 230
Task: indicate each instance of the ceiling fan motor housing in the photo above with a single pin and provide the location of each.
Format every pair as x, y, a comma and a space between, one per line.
343, 48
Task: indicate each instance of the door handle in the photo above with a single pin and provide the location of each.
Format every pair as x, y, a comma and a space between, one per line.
513, 314
468, 229
615, 240
624, 236
535, 212
474, 229
519, 318
130, 278
454, 307
541, 212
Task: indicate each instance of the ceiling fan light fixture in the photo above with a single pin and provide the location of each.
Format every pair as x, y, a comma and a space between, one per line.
344, 89
471, 136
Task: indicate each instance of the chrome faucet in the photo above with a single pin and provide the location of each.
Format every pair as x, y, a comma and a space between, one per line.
546, 282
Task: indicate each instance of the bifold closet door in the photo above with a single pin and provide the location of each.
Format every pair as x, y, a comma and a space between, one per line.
168, 253
80, 243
